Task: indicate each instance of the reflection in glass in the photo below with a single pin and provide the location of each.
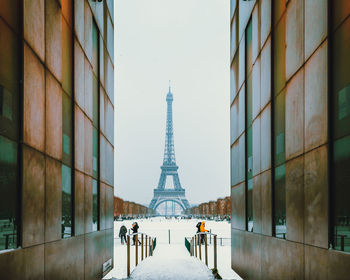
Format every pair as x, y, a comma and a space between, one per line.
8, 194
250, 214
280, 202
66, 201
94, 153
95, 217
66, 129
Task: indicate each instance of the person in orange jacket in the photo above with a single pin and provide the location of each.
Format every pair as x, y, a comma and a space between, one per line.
202, 229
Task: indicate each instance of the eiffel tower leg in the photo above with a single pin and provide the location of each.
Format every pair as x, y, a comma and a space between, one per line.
177, 181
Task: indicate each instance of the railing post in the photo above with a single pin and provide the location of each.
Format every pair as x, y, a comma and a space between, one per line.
146, 247
169, 235
206, 249
200, 246
195, 244
150, 246
215, 254
210, 235
136, 249
128, 256
141, 246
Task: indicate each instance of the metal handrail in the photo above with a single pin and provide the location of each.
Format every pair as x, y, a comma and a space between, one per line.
197, 244
146, 248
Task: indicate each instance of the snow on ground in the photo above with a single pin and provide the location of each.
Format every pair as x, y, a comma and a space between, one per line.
179, 229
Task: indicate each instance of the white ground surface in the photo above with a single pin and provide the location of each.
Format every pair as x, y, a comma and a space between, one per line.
173, 260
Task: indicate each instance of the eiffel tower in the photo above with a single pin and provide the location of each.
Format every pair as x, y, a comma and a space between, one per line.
175, 195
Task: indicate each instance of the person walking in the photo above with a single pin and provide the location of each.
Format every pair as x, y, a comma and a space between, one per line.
202, 229
122, 234
134, 229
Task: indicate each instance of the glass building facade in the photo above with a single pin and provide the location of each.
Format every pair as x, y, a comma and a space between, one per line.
290, 139
56, 138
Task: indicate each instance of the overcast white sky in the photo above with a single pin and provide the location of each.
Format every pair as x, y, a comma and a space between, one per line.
187, 42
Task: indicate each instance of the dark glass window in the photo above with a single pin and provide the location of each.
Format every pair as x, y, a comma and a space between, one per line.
249, 129
66, 201
280, 201
67, 121
96, 127
9, 125
340, 185
95, 216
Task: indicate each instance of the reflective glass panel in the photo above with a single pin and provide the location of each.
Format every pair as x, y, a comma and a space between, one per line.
279, 128
280, 202
8, 194
95, 217
66, 202
94, 153
66, 129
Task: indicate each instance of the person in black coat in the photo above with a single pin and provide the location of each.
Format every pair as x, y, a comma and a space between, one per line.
122, 234
134, 229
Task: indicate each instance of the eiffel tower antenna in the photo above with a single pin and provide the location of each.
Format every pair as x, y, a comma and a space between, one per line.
169, 167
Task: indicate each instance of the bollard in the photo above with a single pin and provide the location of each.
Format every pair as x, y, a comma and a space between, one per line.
136, 249
128, 256
200, 246
215, 254
146, 245
221, 241
169, 235
210, 236
206, 249
142, 247
195, 244
149, 239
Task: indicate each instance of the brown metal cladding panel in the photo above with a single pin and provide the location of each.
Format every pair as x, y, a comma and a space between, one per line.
67, 11
256, 146
109, 207
252, 249
79, 74
316, 197
103, 105
257, 204
341, 9
238, 206
79, 139
94, 254
256, 32
53, 199
256, 88
278, 9
109, 79
316, 88
102, 66
241, 63
279, 44
295, 116
88, 203
245, 9
265, 71
110, 37
316, 263
237, 261
265, 18
109, 131
294, 36
87, 146
234, 77
79, 20
9, 12
79, 199
241, 110
33, 23
53, 112
33, 198
266, 203
109, 245
315, 24
64, 259
273, 258
338, 265
88, 88
294, 260
34, 100
266, 138
87, 30
53, 38
295, 199
102, 206
234, 121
